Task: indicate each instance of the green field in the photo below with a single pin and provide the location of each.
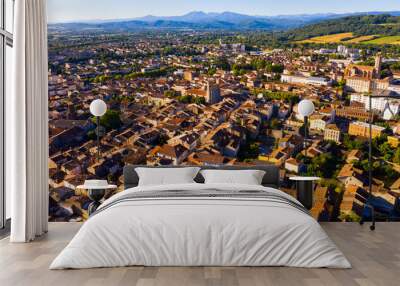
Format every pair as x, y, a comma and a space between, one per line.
389, 40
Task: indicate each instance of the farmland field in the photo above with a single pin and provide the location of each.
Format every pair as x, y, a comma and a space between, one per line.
349, 38
389, 40
361, 39
334, 38
389, 24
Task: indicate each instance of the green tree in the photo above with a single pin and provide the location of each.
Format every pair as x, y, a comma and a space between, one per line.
324, 165
199, 100
275, 68
222, 63
351, 143
171, 93
349, 217
386, 151
288, 97
211, 71
275, 123
186, 99
341, 83
110, 120
249, 151
396, 156
91, 135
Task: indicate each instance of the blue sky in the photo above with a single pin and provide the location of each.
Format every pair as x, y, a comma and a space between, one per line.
70, 10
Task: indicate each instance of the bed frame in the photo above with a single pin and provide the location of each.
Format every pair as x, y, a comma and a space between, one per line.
271, 178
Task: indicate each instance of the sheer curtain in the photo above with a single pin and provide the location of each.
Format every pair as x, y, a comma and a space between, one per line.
27, 124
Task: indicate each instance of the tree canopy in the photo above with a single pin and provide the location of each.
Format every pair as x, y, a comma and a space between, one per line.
110, 120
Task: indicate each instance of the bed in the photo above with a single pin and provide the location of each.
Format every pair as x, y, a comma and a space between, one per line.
197, 224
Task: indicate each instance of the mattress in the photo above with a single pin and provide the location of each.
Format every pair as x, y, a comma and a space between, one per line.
201, 225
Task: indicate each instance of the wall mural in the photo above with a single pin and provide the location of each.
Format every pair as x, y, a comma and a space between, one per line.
183, 91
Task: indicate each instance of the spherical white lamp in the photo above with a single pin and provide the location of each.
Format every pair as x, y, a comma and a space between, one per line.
306, 107
98, 107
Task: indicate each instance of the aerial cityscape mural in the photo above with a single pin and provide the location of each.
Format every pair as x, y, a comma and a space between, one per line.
223, 88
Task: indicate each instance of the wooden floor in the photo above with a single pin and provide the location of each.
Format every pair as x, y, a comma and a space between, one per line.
375, 257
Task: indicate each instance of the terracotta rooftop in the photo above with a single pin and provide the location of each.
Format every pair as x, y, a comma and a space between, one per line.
172, 151
332, 127
293, 161
395, 185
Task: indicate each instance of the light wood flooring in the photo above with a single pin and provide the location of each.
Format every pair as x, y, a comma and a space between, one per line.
375, 257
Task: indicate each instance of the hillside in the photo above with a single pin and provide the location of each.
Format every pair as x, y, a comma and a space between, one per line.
353, 29
198, 20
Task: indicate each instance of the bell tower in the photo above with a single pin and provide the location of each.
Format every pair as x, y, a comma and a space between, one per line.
378, 65
213, 93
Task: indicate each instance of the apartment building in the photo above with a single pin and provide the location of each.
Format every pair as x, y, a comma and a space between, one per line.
332, 133
361, 129
388, 107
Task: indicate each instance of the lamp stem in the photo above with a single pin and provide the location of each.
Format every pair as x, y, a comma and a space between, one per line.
370, 145
98, 138
305, 135
369, 204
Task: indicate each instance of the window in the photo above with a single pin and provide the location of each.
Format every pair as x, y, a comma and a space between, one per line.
6, 43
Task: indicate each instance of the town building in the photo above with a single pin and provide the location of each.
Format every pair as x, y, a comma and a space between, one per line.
388, 107
213, 93
348, 52
361, 129
175, 153
189, 75
349, 175
332, 133
319, 122
298, 79
352, 112
354, 156
393, 141
361, 78
293, 165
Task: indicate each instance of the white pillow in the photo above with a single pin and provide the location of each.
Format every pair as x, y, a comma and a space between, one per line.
166, 176
243, 177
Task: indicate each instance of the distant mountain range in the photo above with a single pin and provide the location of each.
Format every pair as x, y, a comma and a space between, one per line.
201, 20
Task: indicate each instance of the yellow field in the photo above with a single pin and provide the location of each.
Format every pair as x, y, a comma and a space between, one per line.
360, 39
369, 39
389, 40
389, 24
334, 38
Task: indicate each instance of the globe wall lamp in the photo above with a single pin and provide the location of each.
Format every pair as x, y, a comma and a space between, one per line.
305, 184
98, 108
306, 108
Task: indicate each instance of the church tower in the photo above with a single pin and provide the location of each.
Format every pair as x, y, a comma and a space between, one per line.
378, 65
213, 93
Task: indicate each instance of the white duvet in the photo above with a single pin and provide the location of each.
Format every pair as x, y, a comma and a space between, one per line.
200, 232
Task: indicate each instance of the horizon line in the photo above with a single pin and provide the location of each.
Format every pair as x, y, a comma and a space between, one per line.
211, 12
